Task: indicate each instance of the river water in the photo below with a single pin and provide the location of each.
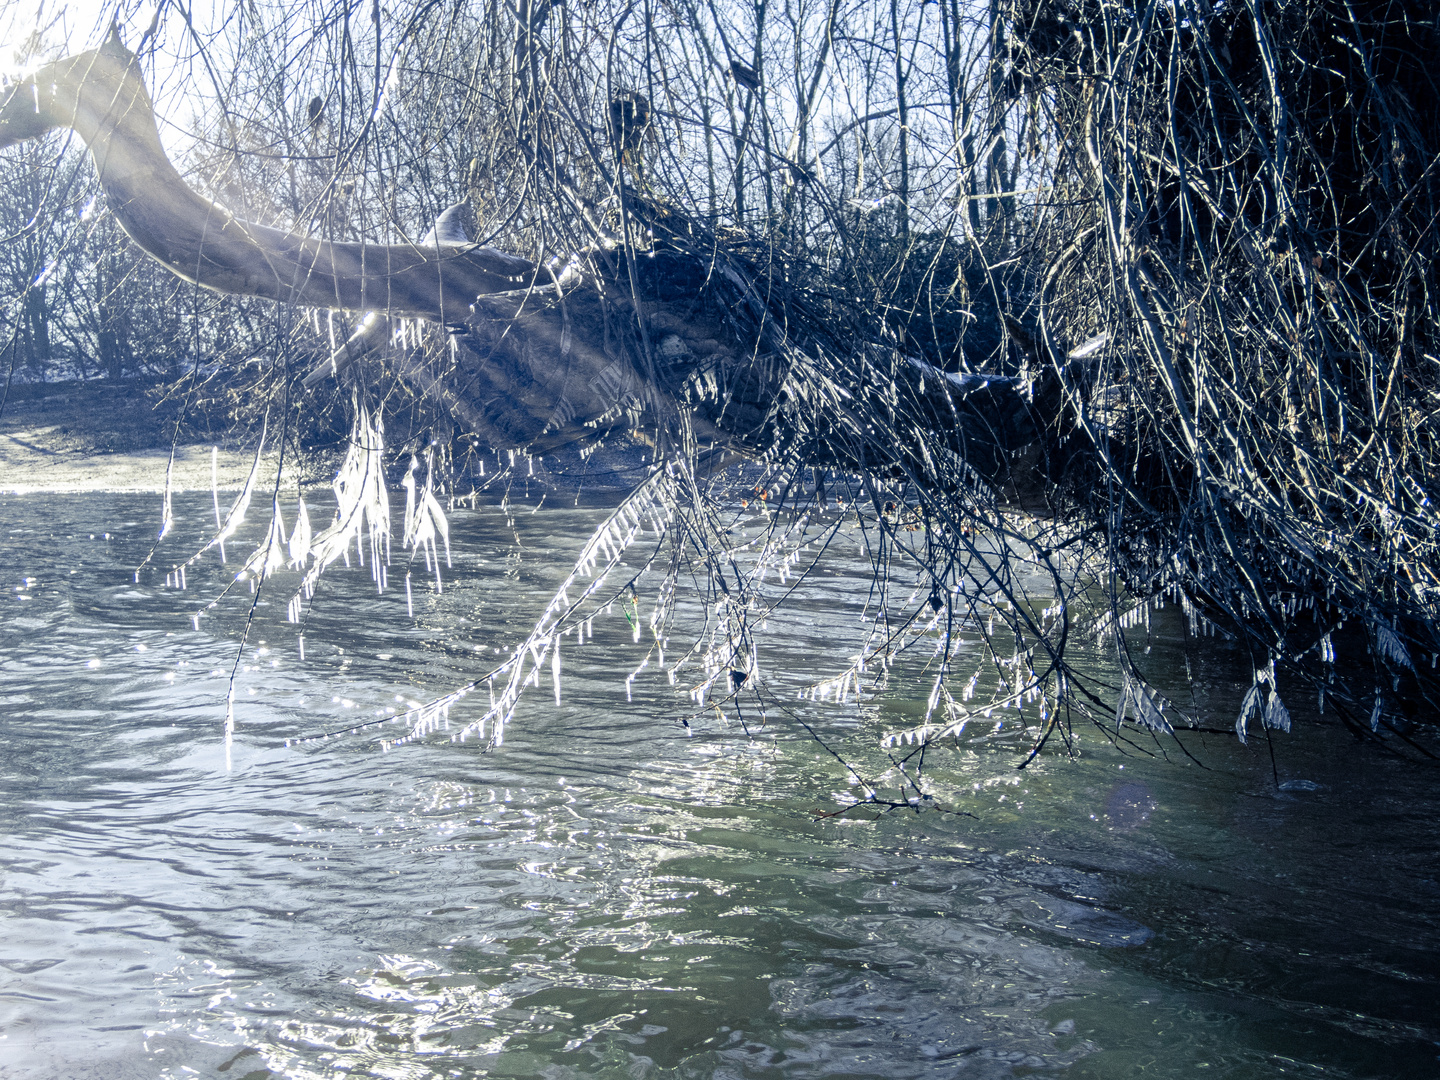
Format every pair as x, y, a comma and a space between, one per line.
611, 894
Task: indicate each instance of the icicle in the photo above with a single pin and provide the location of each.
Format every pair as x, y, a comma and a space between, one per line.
555, 665
301, 537
364, 506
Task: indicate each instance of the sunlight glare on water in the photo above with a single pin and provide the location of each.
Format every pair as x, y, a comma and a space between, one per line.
611, 894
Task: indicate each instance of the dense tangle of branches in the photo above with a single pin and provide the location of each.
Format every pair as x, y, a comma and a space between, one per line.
1200, 239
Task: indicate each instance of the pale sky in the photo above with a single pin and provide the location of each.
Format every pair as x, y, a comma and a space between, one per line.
71, 26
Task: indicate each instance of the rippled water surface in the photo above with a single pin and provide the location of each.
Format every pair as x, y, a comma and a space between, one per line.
609, 894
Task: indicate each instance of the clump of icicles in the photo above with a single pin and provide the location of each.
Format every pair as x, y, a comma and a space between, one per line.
647, 511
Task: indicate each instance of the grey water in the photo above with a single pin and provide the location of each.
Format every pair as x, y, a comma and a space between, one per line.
611, 893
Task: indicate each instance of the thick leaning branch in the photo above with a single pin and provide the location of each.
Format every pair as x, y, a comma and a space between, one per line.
679, 345
101, 96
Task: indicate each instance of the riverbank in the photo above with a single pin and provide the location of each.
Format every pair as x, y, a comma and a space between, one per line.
106, 436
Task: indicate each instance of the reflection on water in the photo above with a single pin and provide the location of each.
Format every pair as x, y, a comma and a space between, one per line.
1130, 806
609, 895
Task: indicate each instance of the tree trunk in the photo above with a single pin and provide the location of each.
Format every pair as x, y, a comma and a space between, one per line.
682, 346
